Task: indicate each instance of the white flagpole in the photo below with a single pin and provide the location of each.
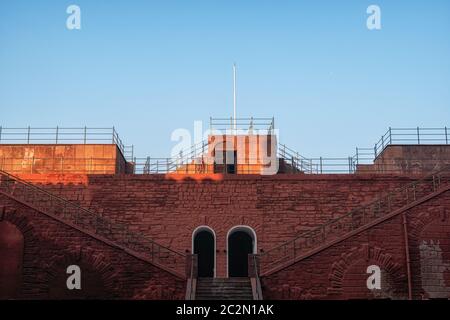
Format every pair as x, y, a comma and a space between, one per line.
234, 97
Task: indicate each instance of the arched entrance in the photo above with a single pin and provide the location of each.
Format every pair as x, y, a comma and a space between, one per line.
241, 242
11, 258
204, 245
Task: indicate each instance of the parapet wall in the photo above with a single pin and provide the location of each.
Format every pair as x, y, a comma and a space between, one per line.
409, 159
62, 159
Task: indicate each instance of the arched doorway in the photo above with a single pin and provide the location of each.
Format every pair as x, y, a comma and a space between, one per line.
241, 242
204, 245
11, 258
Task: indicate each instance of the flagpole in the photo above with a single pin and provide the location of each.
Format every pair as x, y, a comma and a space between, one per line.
234, 98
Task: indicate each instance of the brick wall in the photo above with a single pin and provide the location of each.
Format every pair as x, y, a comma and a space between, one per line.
107, 272
169, 208
339, 272
62, 159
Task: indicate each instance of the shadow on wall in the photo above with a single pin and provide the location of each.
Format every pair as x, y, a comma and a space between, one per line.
11, 253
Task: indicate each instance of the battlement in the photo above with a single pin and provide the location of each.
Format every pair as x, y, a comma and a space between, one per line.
234, 146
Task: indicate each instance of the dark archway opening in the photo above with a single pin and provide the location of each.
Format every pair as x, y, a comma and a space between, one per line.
204, 248
240, 245
11, 260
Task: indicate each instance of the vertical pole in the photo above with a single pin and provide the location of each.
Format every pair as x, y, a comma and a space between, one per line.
390, 135
113, 135
321, 169
446, 138
234, 96
408, 259
85, 133
57, 129
418, 136
2, 127
357, 157
28, 138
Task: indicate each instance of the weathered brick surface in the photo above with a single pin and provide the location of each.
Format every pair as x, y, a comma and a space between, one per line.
107, 272
339, 272
169, 208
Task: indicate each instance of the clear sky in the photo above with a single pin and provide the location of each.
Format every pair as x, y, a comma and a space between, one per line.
150, 67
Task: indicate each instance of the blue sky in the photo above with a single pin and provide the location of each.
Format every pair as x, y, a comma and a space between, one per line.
149, 67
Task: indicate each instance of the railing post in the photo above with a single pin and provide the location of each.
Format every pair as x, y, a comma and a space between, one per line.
349, 165
418, 136
446, 137
357, 156
28, 136
113, 135
321, 167
56, 139
85, 133
2, 127
390, 135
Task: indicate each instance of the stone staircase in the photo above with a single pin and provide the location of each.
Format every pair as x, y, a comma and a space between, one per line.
223, 289
92, 224
384, 207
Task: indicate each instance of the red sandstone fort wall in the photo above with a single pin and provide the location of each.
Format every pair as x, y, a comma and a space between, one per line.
108, 272
61, 158
169, 210
339, 272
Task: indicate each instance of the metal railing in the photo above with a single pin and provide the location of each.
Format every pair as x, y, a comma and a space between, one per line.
64, 135
253, 274
192, 160
91, 222
412, 136
361, 216
228, 125
191, 276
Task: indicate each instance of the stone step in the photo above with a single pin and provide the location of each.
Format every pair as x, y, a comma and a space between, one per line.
223, 293
224, 289
224, 298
